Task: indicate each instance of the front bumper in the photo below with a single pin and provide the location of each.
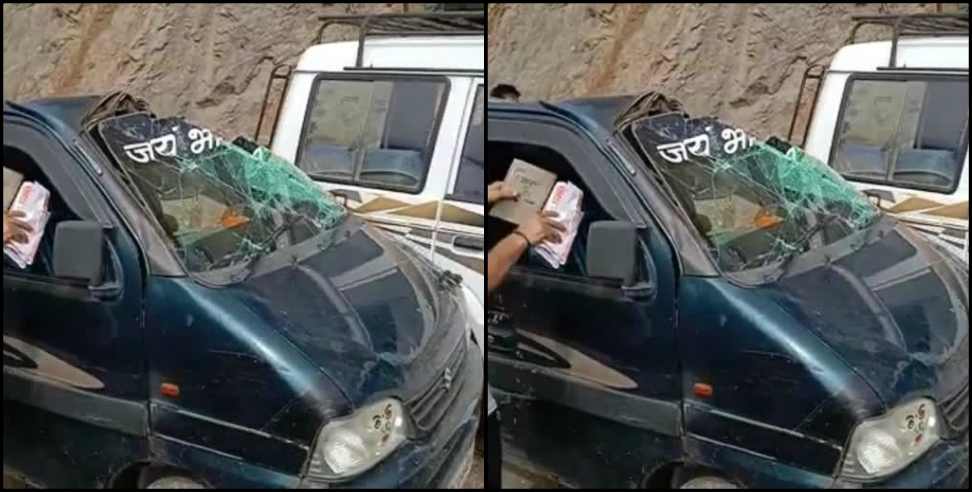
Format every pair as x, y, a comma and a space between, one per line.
443, 459
945, 466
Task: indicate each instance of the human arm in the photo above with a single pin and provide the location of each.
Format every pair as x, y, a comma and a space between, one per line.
505, 254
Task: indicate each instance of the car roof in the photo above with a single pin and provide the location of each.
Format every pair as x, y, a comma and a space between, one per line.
941, 53
598, 114
602, 111
63, 114
429, 52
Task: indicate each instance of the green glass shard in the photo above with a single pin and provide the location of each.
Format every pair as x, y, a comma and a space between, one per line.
248, 198
221, 205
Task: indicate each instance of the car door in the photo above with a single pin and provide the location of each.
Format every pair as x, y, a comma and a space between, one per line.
74, 382
459, 238
586, 371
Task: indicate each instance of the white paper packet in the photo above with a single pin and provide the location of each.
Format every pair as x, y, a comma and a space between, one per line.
565, 200
31, 200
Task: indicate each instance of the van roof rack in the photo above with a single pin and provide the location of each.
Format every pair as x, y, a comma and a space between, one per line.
444, 22
449, 23
913, 25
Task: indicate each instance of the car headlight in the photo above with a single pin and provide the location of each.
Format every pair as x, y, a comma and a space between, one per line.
475, 315
886, 444
349, 446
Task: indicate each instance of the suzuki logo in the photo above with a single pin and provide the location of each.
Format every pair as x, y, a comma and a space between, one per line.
447, 379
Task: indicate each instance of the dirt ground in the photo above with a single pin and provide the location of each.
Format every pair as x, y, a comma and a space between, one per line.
515, 477
476, 478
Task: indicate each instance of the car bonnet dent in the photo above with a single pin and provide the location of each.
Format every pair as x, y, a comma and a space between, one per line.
364, 313
896, 311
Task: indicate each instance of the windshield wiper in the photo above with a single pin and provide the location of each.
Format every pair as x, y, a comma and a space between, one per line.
249, 267
247, 270
248, 261
798, 245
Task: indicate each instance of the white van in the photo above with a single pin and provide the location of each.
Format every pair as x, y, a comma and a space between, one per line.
893, 118
393, 124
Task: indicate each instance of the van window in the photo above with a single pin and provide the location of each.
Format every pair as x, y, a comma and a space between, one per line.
909, 133
372, 133
43, 262
502, 155
469, 182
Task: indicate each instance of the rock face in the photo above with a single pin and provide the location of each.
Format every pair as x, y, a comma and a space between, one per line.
741, 62
209, 62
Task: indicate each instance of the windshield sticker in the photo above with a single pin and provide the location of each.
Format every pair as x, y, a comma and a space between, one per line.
145, 152
201, 140
678, 152
735, 139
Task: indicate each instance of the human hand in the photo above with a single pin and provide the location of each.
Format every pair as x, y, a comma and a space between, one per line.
15, 230
542, 227
500, 191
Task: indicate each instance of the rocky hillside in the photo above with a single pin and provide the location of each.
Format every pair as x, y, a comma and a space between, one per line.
742, 62
211, 61
208, 61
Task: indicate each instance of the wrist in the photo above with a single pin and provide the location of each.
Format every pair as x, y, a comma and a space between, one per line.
529, 244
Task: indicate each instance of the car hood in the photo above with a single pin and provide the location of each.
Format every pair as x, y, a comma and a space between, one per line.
376, 320
896, 310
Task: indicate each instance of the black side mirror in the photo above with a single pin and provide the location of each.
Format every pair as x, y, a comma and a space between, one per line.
79, 251
611, 251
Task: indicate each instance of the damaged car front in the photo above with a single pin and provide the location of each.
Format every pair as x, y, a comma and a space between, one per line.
298, 343
845, 331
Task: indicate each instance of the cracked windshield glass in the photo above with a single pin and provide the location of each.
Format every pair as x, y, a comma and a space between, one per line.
758, 204
222, 205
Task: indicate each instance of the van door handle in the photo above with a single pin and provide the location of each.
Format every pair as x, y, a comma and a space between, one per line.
469, 242
501, 341
642, 291
105, 291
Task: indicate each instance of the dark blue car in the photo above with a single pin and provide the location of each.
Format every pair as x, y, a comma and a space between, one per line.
198, 314
731, 314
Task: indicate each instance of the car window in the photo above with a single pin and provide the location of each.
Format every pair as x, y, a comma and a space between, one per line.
470, 181
552, 160
908, 133
27, 166
373, 133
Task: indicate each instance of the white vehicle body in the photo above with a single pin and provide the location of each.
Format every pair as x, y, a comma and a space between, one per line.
899, 132
440, 210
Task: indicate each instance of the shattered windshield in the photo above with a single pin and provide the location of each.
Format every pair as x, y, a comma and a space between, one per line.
758, 204
220, 205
